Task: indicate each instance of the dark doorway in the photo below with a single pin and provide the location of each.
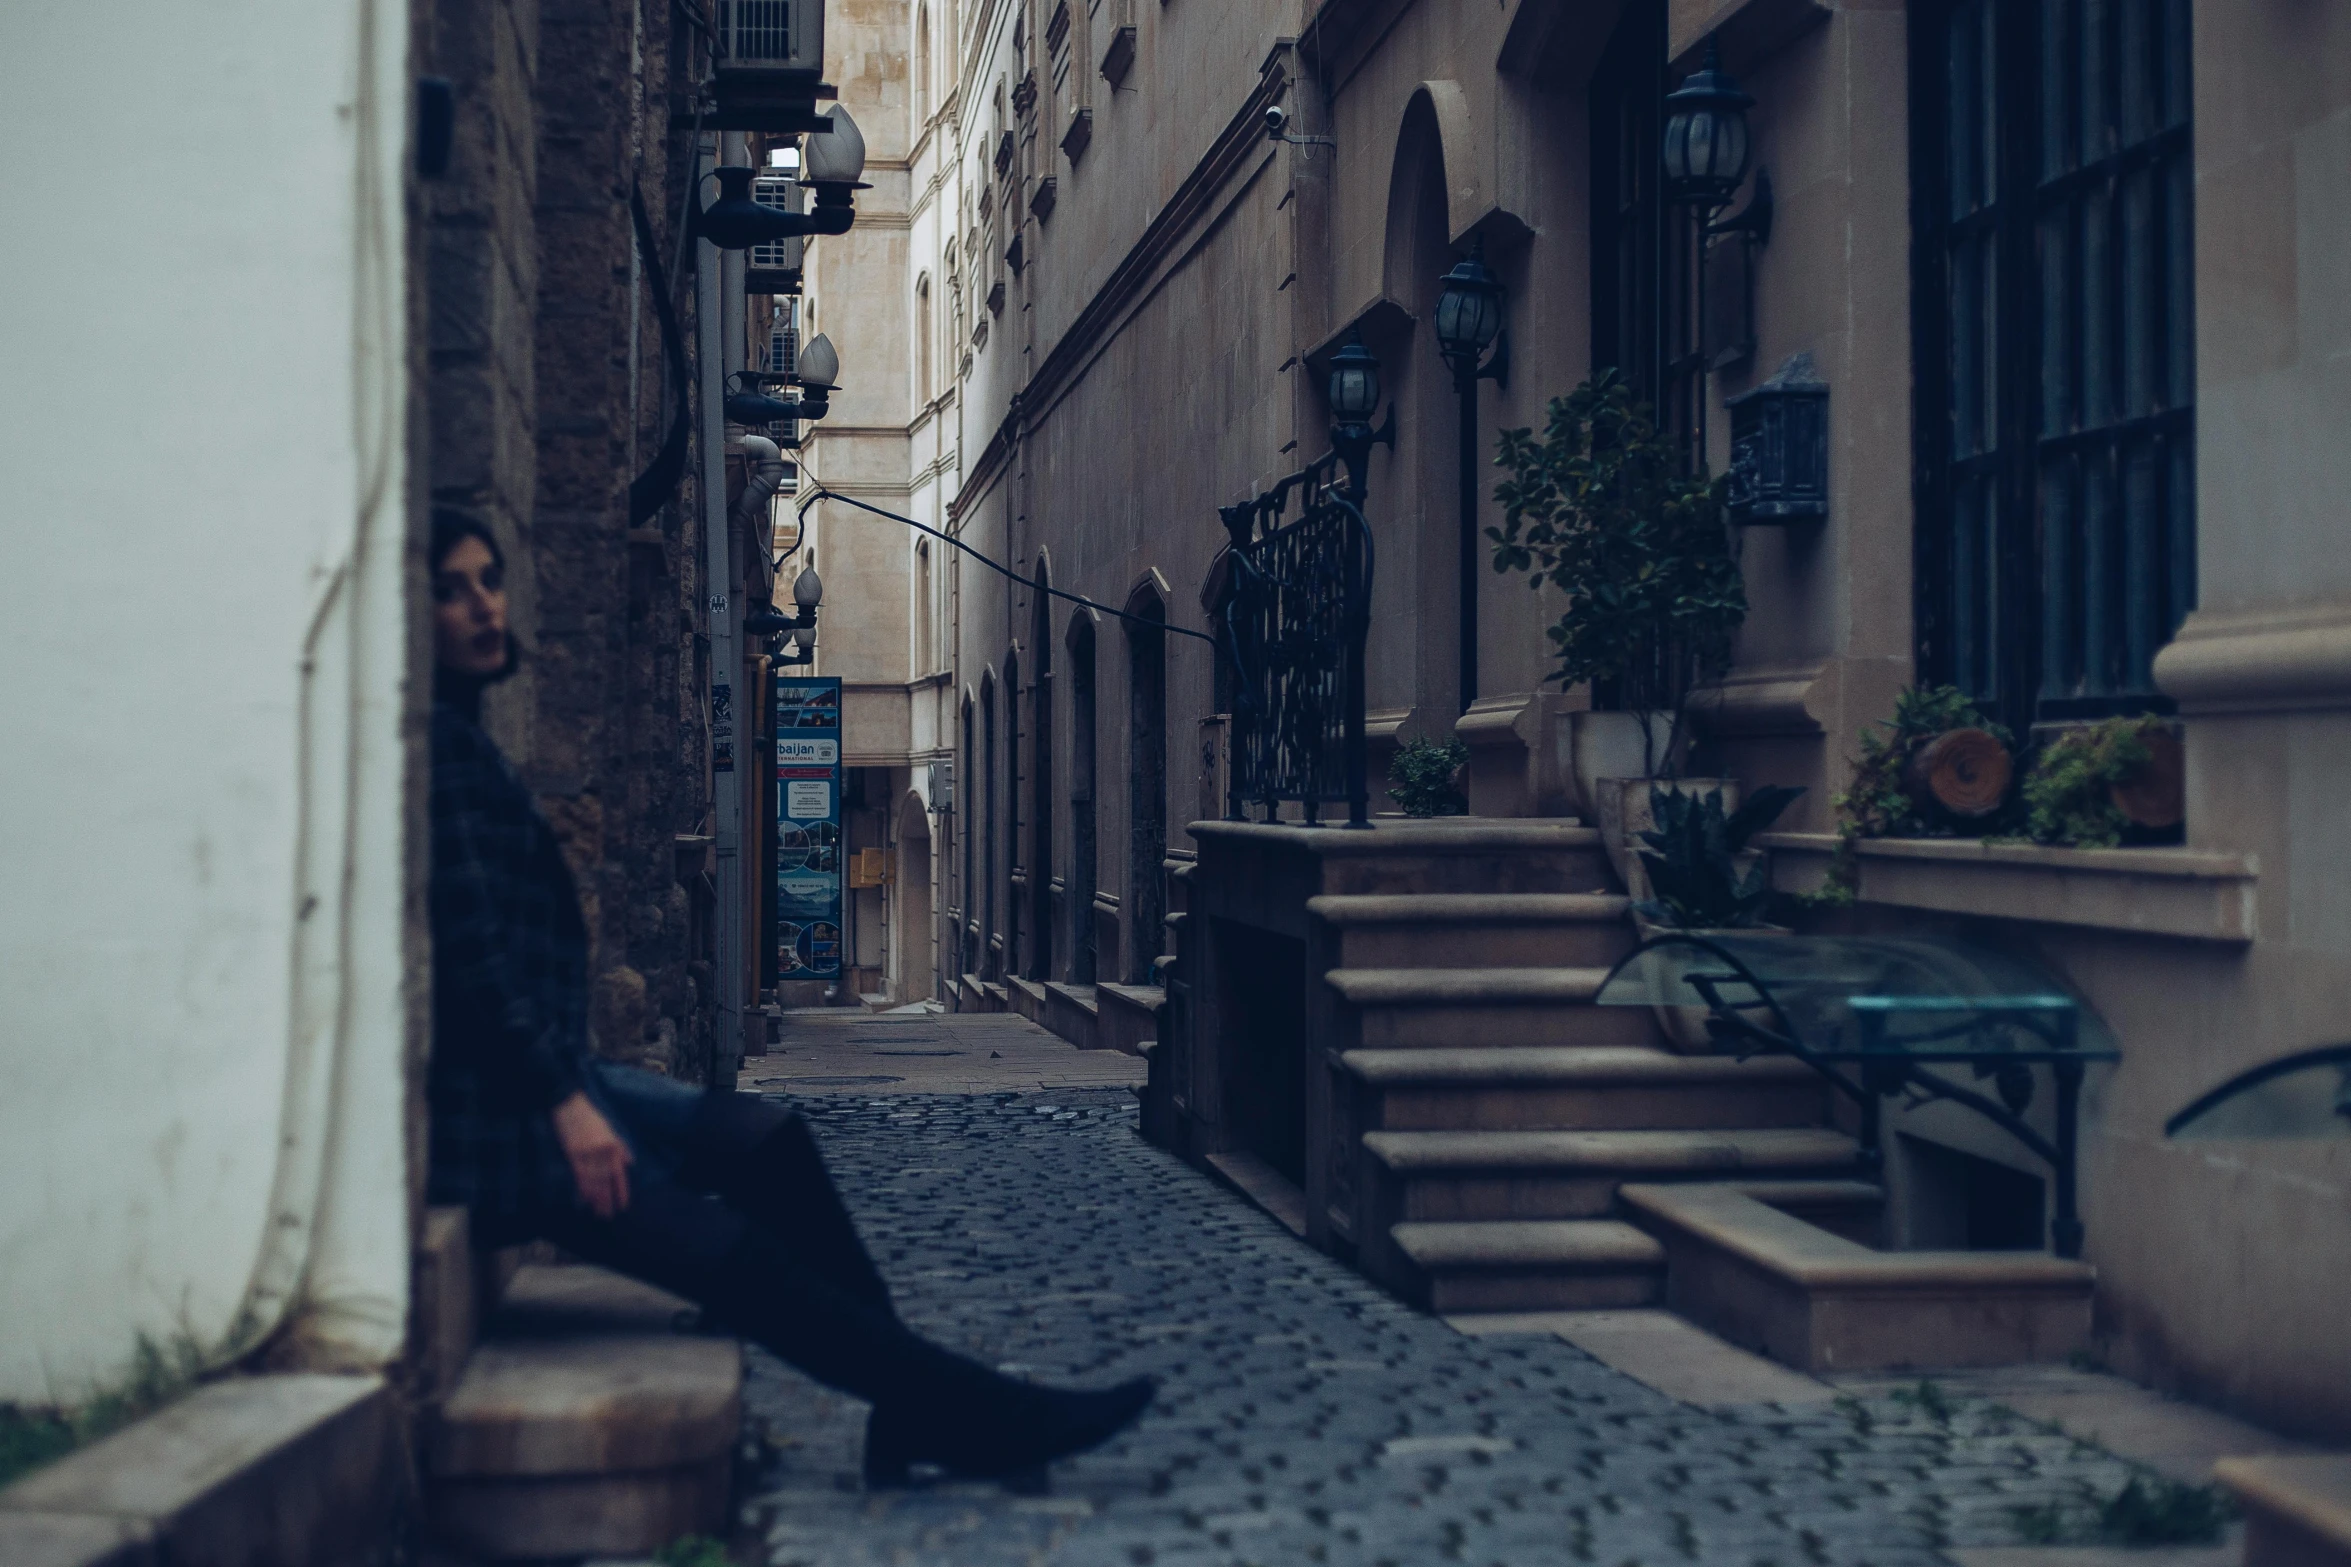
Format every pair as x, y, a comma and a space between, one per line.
1960, 1201
967, 913
1081, 798
1012, 733
1146, 785
987, 892
1264, 983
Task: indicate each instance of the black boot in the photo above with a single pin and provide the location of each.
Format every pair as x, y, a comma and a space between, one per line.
931, 1406
762, 1160
1009, 1436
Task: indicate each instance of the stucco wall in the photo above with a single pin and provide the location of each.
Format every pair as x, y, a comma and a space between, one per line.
201, 957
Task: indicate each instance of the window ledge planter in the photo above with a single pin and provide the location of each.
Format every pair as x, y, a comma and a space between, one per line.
2187, 893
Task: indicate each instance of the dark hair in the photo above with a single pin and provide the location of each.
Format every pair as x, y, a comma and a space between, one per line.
451, 528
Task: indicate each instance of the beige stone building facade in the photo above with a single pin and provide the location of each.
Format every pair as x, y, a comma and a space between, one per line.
2071, 276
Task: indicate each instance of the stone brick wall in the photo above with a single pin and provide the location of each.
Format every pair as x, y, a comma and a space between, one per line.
547, 394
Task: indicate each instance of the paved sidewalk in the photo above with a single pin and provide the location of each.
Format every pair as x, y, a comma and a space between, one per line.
846, 1050
1307, 1417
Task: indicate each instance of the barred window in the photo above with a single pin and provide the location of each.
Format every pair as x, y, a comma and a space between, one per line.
2053, 324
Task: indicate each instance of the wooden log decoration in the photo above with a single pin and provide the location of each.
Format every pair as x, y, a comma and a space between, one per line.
1965, 771
2156, 795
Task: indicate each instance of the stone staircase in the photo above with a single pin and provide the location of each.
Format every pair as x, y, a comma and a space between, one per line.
567, 1412
1499, 1110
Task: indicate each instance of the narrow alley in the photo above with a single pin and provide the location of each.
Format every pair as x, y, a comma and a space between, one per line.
1305, 1416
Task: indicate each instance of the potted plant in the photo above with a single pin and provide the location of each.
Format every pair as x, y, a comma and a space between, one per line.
1703, 879
1599, 507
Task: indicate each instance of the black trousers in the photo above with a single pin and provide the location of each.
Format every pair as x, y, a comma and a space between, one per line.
730, 1205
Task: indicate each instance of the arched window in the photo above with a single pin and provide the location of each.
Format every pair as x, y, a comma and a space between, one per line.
922, 339
922, 65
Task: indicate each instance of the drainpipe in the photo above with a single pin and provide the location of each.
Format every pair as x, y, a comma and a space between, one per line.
726, 725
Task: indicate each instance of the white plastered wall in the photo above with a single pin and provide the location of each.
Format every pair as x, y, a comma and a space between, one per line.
202, 1004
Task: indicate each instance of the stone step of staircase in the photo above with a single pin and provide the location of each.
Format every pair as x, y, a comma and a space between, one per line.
1461, 1176
1462, 1007
1530, 1265
1450, 854
1583, 1087
2297, 1508
586, 1423
1478, 930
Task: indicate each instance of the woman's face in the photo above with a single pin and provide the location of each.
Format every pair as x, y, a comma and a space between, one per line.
469, 610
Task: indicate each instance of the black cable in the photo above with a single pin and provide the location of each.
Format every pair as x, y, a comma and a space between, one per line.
822, 494
650, 491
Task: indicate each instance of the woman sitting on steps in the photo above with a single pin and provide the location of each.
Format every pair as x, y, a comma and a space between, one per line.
719, 1197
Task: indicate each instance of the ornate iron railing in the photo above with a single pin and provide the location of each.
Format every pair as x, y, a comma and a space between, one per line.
1295, 610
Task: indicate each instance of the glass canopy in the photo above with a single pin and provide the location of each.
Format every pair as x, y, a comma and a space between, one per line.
2303, 1095
1851, 997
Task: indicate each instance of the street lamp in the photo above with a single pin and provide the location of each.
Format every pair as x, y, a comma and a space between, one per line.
768, 621
831, 165
1706, 148
1468, 321
1354, 392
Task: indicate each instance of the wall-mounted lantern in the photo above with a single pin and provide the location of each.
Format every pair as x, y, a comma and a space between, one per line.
1354, 390
830, 166
1780, 448
1706, 147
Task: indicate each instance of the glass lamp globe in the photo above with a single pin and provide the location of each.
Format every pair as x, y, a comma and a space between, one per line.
1355, 382
818, 366
1705, 140
808, 589
836, 157
1469, 311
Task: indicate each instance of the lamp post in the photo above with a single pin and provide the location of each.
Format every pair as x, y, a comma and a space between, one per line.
1468, 321
1706, 148
768, 621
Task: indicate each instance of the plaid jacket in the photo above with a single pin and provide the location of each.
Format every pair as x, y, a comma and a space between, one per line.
510, 984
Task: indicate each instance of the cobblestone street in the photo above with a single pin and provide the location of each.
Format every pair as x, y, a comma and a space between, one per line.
1307, 1417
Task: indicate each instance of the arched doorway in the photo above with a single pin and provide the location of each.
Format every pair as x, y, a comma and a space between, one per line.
911, 936
1146, 897
1040, 868
963, 825
1081, 798
1416, 510
986, 893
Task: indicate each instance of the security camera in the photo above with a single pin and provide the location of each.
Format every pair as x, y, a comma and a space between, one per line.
1277, 120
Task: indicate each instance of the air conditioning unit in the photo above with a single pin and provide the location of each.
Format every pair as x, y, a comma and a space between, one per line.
774, 268
942, 790
770, 54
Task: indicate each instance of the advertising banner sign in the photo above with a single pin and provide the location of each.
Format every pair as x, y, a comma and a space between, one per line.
808, 827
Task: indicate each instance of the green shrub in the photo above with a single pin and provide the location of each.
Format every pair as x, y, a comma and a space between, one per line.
31, 1436
2068, 794
1877, 804
1600, 509
1693, 857
1420, 777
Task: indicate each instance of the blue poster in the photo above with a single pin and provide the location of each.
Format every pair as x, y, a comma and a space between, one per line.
808, 827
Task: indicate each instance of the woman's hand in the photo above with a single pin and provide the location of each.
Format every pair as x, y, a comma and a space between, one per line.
599, 1159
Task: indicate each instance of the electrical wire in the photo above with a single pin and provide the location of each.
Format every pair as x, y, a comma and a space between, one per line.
820, 493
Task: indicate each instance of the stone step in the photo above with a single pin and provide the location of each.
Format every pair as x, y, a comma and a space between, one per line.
1448, 854
585, 1424
1591, 1087
1479, 1175
1538, 1265
1478, 930
2297, 1508
1413, 1007
1129, 1017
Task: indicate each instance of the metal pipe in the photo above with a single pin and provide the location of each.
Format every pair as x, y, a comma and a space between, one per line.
718, 600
